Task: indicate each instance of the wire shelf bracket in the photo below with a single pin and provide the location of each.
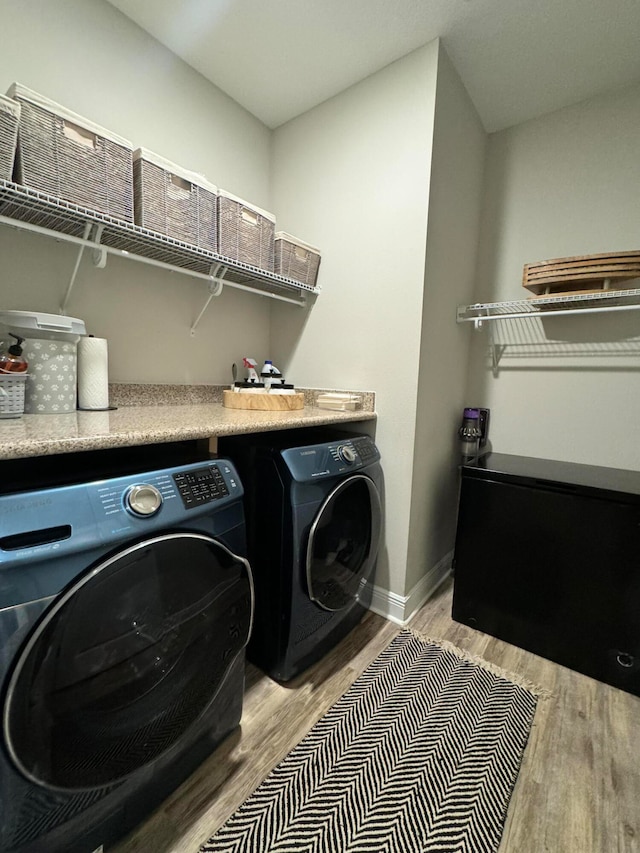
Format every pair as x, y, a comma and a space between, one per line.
496, 349
215, 289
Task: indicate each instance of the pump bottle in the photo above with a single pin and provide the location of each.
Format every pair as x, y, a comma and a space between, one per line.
12, 361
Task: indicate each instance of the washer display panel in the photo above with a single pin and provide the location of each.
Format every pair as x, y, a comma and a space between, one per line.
125, 661
343, 543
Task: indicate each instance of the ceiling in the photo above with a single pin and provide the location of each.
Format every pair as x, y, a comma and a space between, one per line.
517, 58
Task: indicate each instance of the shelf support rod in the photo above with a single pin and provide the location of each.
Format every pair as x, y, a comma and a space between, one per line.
72, 280
100, 252
215, 289
298, 302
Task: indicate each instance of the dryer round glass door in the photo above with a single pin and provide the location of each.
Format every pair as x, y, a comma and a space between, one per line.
343, 543
126, 660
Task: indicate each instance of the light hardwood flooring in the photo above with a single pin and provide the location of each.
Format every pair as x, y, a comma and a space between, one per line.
578, 790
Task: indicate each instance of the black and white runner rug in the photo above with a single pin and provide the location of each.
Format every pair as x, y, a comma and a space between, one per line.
419, 755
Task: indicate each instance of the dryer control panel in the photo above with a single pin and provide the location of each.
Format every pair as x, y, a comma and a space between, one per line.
317, 461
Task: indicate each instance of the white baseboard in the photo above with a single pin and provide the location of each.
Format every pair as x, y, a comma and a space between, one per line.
400, 608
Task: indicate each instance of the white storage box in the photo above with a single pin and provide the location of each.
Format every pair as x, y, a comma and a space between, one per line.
12, 387
9, 118
245, 232
339, 402
174, 201
50, 350
65, 155
295, 259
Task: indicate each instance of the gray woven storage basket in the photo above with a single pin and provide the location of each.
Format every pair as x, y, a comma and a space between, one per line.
295, 259
12, 394
65, 155
245, 232
9, 118
174, 201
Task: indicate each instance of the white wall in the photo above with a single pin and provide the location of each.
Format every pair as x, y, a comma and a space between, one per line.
352, 177
87, 56
562, 185
454, 217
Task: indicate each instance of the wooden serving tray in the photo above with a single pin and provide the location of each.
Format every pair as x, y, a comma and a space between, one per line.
263, 402
584, 273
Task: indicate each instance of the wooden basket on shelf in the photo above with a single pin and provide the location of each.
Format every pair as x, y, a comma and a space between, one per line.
581, 274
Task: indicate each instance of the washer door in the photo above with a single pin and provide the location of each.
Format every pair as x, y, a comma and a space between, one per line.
126, 660
343, 543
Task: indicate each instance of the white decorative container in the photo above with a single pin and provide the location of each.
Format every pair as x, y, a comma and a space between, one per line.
53, 377
50, 350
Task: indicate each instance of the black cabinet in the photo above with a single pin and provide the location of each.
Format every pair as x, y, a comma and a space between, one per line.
547, 557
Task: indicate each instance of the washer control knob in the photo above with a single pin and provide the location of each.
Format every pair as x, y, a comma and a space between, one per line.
143, 500
347, 454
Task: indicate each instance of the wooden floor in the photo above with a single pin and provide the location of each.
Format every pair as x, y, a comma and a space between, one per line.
579, 786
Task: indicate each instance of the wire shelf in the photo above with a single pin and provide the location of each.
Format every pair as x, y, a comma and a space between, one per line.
520, 327
550, 306
64, 220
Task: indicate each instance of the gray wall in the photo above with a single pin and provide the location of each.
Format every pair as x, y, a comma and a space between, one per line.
454, 218
90, 58
354, 174
563, 185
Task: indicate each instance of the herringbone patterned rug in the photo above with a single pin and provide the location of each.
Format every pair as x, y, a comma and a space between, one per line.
420, 755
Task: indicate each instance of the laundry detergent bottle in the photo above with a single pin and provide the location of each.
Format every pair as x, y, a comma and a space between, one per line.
12, 361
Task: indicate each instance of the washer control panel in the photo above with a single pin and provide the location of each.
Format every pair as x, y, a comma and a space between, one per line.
143, 500
200, 486
79, 518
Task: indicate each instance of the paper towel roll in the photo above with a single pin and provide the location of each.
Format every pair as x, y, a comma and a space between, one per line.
93, 373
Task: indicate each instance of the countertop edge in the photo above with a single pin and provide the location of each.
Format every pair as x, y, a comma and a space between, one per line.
47, 435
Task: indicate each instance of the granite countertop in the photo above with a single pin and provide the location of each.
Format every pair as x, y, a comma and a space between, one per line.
129, 425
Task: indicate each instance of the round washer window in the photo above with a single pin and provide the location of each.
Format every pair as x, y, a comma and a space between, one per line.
124, 662
343, 543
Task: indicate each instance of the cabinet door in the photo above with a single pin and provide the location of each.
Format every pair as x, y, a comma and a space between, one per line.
552, 571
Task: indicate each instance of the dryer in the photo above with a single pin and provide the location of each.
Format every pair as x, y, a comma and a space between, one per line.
313, 501
125, 607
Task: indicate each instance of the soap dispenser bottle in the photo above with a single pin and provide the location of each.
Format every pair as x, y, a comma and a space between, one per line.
12, 361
